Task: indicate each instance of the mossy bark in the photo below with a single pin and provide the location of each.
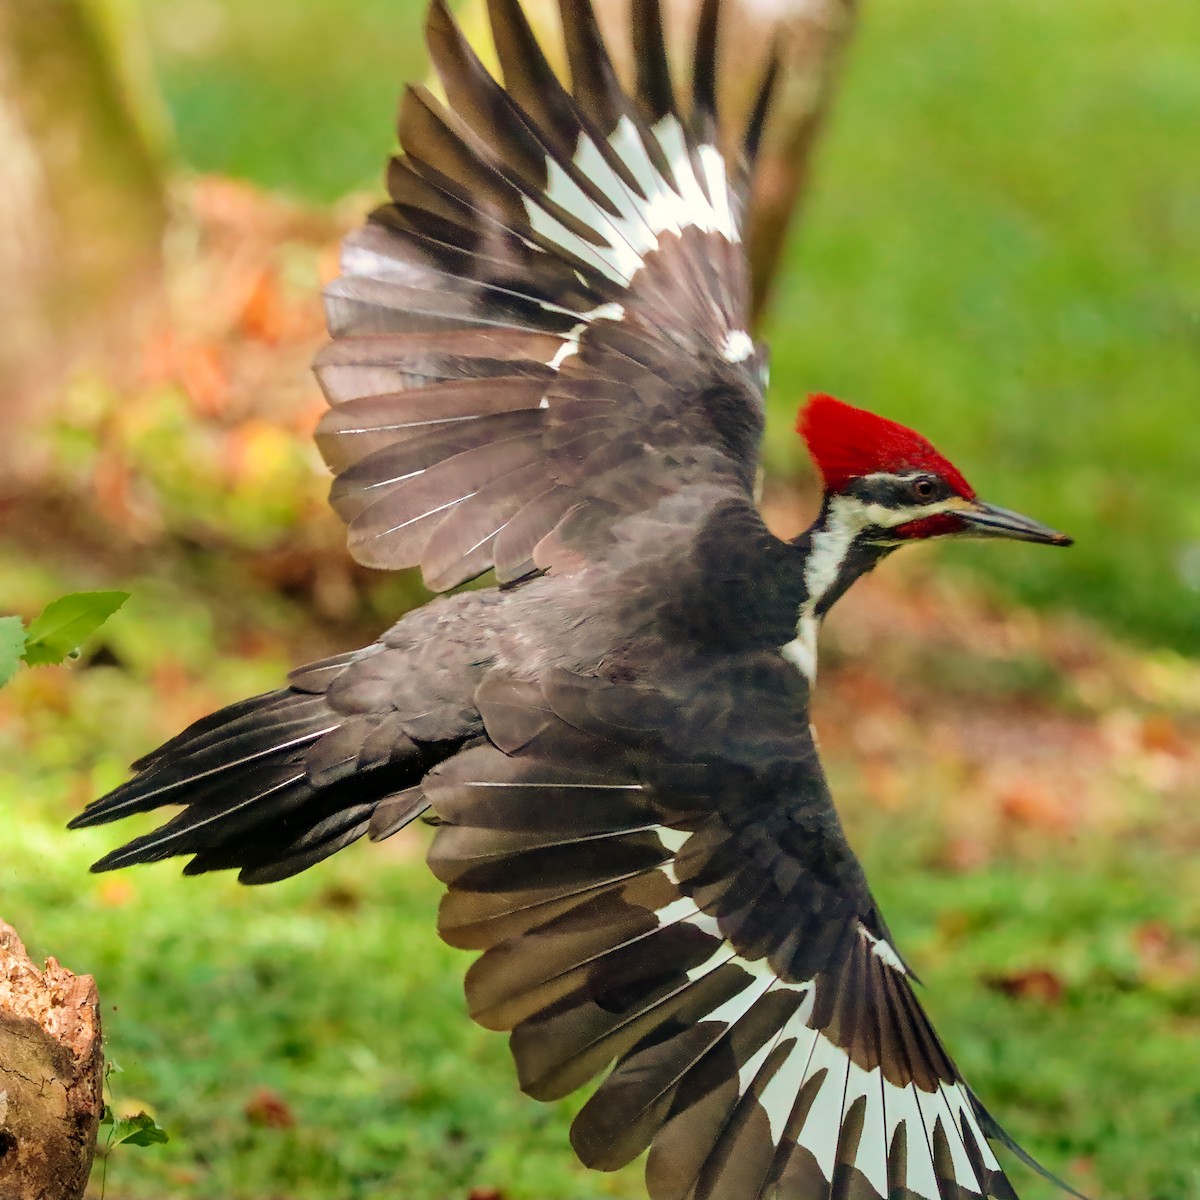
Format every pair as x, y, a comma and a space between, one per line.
51, 1076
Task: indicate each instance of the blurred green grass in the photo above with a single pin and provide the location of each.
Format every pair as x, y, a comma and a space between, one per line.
1002, 246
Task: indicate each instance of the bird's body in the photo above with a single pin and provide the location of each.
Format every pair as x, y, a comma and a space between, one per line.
540, 364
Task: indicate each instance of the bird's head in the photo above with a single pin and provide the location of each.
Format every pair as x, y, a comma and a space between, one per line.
887, 485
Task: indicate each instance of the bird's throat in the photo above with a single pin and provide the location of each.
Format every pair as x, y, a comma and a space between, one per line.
801, 651
835, 555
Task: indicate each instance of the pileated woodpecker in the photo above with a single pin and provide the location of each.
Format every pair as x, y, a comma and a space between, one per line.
540, 364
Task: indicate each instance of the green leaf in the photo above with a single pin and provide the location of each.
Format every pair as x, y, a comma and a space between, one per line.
139, 1130
12, 646
66, 623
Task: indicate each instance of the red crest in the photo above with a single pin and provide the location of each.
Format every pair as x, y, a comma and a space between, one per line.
847, 443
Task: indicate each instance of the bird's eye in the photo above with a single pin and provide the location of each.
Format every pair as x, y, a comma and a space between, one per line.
923, 489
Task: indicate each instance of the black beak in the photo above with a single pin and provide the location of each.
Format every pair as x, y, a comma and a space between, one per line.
986, 520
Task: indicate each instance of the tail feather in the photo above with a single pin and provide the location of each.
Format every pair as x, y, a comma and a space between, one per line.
216, 816
273, 784
259, 738
271, 860
221, 719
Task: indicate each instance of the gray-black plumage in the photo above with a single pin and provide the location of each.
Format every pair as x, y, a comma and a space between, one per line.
540, 365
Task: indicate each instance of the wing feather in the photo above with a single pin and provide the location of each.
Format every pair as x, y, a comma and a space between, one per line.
657, 948
591, 239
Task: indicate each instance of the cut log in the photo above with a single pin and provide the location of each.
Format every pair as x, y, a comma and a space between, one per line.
51, 1076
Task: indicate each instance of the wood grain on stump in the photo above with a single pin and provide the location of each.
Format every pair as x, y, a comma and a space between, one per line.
51, 1076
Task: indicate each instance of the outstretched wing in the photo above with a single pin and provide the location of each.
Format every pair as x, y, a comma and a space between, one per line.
546, 327
696, 919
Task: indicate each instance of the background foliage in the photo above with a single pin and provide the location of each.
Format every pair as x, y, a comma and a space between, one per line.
1002, 248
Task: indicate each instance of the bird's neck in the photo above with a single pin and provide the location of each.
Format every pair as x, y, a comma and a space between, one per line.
743, 587
834, 554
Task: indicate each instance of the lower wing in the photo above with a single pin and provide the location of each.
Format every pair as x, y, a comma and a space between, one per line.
726, 960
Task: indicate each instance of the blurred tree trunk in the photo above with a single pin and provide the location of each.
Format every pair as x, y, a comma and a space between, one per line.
811, 35
82, 207
51, 1076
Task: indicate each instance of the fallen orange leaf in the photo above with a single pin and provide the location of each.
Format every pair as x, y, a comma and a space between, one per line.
264, 315
200, 372
269, 1109
1037, 983
114, 891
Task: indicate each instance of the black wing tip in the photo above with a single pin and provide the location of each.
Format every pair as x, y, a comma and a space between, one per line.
653, 88
763, 101
114, 860
438, 15
704, 61
444, 34
101, 812
997, 1133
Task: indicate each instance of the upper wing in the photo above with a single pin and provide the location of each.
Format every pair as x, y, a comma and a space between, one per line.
546, 328
696, 918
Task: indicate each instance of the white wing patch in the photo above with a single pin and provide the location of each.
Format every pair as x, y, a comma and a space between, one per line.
700, 198
846, 518
883, 949
779, 1096
738, 346
888, 1107
603, 312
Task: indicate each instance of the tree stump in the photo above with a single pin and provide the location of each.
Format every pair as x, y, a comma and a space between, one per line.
51, 1076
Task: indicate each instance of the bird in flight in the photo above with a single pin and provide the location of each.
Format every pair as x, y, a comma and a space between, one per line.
540, 365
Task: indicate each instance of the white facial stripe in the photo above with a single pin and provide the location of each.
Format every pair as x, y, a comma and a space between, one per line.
848, 516
846, 519
889, 518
